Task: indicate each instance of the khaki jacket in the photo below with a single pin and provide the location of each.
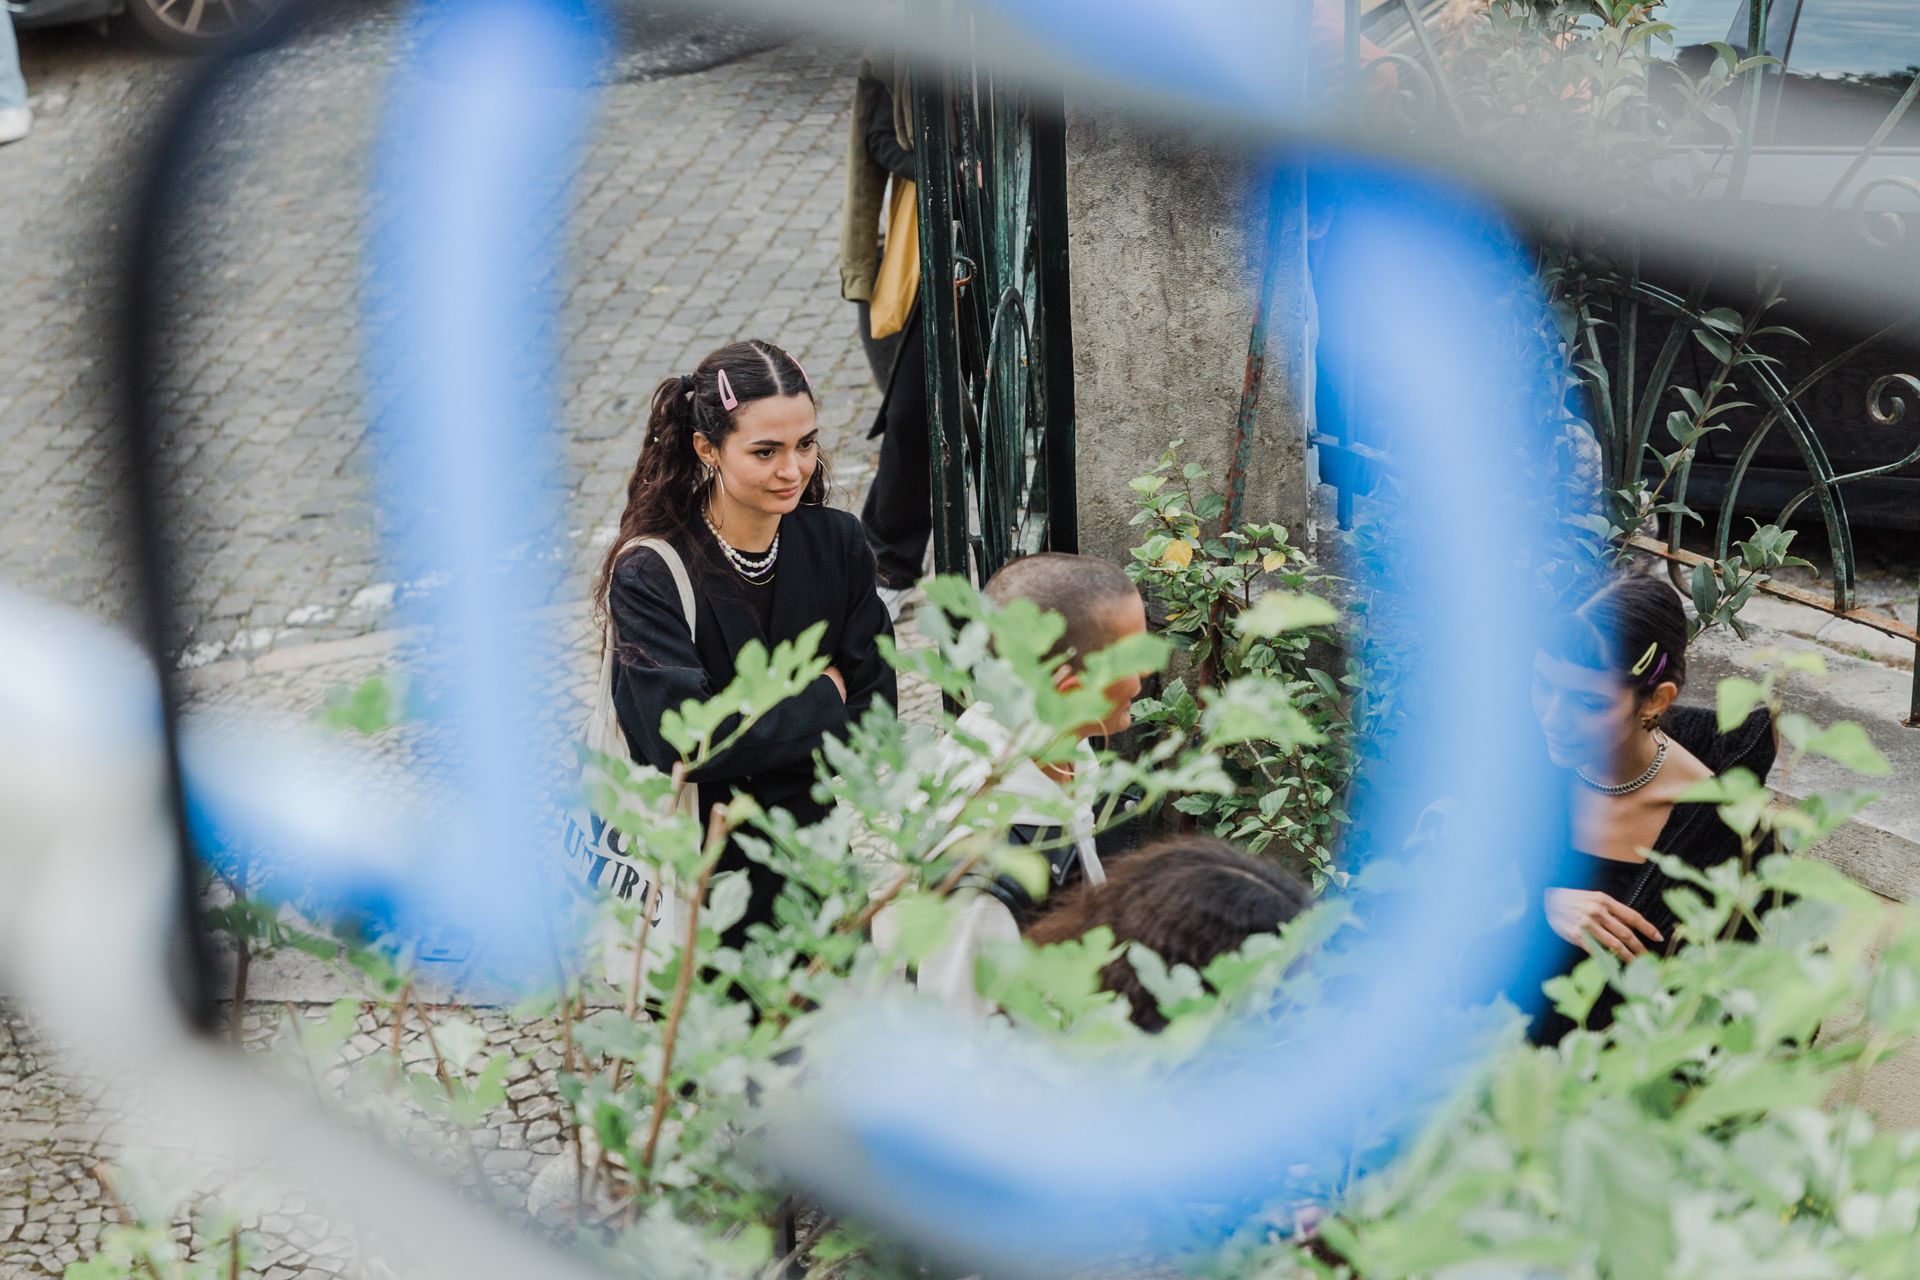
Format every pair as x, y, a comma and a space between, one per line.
866, 180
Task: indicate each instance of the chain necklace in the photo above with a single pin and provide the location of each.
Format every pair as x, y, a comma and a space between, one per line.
755, 569
1622, 788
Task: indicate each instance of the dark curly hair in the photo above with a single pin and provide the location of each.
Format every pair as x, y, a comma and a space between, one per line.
667, 490
1189, 899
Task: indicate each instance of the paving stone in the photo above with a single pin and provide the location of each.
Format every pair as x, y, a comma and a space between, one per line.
282, 595
267, 440
1784, 615
1863, 641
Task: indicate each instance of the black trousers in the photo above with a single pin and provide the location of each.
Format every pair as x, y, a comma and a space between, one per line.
898, 512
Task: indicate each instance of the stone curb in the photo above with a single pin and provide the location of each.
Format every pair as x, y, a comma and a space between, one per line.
1880, 848
325, 653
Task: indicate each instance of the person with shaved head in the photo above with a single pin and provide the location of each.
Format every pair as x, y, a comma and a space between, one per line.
1099, 606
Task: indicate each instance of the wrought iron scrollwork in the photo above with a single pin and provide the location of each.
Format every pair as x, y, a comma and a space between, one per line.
1884, 228
999, 339
1624, 438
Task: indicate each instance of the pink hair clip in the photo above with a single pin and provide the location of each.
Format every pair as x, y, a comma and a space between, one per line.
804, 377
728, 400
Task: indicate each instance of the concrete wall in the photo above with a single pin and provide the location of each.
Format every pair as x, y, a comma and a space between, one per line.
1166, 238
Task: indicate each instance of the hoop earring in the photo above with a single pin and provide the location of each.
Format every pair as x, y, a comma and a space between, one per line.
821, 463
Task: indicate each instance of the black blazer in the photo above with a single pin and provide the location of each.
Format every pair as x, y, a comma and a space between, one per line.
825, 574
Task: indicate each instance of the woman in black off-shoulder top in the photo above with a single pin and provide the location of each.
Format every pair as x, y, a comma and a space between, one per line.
1603, 691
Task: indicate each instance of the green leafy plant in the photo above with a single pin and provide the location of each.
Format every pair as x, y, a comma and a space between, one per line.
1255, 642
1715, 1126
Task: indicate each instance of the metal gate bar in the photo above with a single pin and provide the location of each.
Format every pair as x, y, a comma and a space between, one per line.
997, 318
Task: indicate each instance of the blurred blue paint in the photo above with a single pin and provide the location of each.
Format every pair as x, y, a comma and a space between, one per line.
486, 116
1018, 1156
483, 127
1010, 1168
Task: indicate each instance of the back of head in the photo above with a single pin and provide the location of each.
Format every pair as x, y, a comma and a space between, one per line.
1633, 627
1187, 899
1090, 594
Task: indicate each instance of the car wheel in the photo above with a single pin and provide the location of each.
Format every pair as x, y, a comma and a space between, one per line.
200, 26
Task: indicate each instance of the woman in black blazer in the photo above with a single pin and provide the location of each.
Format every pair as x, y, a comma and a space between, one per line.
731, 476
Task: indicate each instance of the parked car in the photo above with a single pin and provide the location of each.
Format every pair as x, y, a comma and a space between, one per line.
185, 26
1843, 65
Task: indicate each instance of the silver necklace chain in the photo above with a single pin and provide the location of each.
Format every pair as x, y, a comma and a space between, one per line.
1622, 788
755, 569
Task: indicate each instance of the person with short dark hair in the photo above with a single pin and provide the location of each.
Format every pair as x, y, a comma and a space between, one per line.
1604, 688
1095, 598
1100, 606
1187, 899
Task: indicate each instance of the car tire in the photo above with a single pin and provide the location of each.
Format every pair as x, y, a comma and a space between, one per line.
201, 26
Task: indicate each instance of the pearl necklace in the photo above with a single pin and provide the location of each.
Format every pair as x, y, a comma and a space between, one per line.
1622, 788
757, 570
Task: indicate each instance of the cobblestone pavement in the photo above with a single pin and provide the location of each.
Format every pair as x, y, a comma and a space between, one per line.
705, 208
59, 1135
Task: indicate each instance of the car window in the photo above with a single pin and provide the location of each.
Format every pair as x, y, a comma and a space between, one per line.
1850, 60
1856, 38
1700, 21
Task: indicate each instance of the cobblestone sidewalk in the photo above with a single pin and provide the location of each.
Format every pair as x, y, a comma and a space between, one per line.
705, 209
58, 1134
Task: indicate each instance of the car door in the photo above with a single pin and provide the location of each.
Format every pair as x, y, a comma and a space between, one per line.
1845, 65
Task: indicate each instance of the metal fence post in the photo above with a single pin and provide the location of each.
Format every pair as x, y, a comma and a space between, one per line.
1054, 315
946, 414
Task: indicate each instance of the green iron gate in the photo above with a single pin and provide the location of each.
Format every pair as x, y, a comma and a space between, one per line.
1641, 349
997, 324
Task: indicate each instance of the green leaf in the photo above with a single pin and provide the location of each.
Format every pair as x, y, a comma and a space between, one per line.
1522, 1098
1705, 590
1735, 700
1741, 800
370, 706
1257, 709
728, 896
1717, 347
1805, 661
490, 1087
1847, 744
1725, 319
744, 1252
459, 1040
1174, 988
1615, 1184
923, 922
1757, 1088
1277, 612
1816, 880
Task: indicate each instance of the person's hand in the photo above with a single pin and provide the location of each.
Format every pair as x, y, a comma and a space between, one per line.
839, 681
1586, 916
